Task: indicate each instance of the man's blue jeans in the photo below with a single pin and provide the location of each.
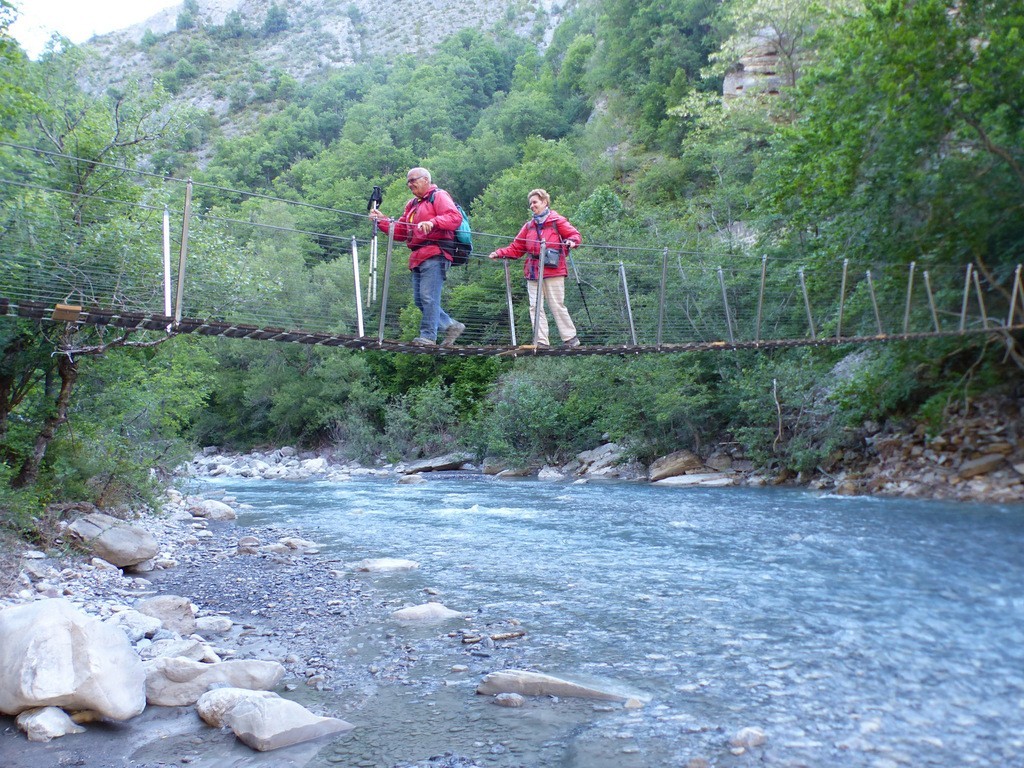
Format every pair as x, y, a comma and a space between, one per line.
427, 280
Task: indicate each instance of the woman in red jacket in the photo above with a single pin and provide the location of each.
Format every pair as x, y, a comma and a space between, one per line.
546, 228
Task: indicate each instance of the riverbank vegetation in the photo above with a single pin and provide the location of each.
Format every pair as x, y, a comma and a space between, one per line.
894, 134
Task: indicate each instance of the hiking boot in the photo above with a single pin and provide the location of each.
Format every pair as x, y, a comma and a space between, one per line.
454, 331
422, 341
572, 343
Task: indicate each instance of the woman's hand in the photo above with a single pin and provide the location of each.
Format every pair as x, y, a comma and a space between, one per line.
493, 255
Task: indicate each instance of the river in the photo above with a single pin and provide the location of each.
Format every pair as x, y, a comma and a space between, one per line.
852, 631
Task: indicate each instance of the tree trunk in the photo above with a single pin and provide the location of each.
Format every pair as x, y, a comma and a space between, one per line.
67, 368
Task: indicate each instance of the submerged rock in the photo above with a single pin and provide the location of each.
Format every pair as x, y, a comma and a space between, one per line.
538, 684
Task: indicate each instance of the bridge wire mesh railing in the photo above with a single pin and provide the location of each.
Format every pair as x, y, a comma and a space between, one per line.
259, 267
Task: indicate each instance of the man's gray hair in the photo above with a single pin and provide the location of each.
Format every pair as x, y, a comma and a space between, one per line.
419, 172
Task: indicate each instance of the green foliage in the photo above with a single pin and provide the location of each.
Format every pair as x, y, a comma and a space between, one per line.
652, 54
911, 138
276, 20
901, 136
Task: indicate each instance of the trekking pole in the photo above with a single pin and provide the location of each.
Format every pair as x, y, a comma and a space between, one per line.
373, 204
579, 283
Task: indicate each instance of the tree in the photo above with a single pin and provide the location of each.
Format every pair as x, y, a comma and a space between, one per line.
276, 21
911, 136
67, 222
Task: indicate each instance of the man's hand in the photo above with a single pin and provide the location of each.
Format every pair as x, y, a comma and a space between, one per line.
425, 227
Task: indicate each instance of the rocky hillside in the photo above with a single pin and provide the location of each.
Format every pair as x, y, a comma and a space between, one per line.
223, 58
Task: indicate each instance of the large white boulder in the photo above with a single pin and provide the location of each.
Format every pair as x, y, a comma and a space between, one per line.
212, 509
263, 720
178, 681
114, 540
52, 654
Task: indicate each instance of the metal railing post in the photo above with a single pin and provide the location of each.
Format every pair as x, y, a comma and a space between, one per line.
725, 303
538, 304
387, 283
910, 291
508, 301
981, 300
355, 280
967, 293
1014, 289
661, 295
167, 262
842, 300
807, 304
629, 308
874, 304
931, 302
371, 273
185, 218
760, 298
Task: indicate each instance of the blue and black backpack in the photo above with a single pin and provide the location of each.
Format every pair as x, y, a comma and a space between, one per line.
461, 247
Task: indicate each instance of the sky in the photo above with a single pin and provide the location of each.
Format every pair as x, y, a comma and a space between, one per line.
77, 20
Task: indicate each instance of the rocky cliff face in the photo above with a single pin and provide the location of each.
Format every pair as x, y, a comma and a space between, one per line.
319, 36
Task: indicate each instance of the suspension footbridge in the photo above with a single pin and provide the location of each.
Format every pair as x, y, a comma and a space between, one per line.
168, 261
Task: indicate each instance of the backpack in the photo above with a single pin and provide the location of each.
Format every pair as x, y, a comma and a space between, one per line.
461, 246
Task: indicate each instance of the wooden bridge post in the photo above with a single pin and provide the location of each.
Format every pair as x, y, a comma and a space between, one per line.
186, 216
967, 292
760, 297
910, 291
629, 308
725, 303
508, 300
661, 295
807, 304
355, 280
874, 304
931, 302
167, 262
842, 300
387, 283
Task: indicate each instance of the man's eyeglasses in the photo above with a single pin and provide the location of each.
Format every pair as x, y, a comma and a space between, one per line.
414, 179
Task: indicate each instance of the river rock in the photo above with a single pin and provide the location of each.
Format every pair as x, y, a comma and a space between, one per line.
46, 723
263, 720
537, 684
211, 509
747, 738
113, 540
448, 462
218, 625
705, 480
512, 700
384, 564
135, 624
174, 612
52, 654
981, 466
178, 681
425, 613
677, 463
550, 473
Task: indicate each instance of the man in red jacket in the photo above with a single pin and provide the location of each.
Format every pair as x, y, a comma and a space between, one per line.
430, 218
